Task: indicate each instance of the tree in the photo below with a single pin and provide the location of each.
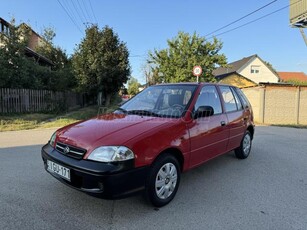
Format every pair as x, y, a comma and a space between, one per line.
101, 62
19, 71
175, 63
14, 64
49, 50
62, 77
133, 86
270, 66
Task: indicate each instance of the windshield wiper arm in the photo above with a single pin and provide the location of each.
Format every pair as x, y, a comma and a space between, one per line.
142, 113
121, 110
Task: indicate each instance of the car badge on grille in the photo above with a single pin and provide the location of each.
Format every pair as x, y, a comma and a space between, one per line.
66, 149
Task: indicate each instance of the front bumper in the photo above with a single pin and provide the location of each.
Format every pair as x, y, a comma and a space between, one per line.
105, 180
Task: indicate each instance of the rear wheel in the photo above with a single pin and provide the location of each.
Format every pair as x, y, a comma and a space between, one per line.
245, 147
163, 181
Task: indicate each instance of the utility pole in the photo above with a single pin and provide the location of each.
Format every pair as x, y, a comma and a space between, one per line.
304, 35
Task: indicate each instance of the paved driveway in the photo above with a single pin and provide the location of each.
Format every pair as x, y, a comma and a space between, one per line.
266, 191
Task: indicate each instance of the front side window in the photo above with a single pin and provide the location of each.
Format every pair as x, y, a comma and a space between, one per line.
209, 97
161, 100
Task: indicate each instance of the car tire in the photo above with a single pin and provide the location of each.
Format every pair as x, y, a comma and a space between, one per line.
163, 180
245, 147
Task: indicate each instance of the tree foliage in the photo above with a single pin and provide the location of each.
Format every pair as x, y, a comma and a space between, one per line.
62, 77
133, 86
175, 63
14, 71
101, 62
19, 71
297, 82
270, 66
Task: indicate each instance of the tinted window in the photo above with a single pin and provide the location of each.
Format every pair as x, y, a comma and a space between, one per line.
230, 101
209, 97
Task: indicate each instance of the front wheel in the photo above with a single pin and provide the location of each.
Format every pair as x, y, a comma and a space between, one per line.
245, 147
163, 181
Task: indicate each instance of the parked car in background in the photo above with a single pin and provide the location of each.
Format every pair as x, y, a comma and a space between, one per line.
125, 97
147, 143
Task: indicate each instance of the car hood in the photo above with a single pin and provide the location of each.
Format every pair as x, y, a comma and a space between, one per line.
110, 129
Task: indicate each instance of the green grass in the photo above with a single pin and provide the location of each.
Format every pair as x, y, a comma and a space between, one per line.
40, 120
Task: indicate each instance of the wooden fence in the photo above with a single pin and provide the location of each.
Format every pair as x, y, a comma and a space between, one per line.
28, 100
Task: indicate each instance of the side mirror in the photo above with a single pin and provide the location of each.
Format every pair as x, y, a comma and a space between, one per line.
204, 111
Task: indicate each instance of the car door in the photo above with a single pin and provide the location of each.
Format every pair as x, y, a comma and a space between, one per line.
208, 135
235, 115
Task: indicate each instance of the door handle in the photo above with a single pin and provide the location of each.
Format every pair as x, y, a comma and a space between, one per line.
223, 123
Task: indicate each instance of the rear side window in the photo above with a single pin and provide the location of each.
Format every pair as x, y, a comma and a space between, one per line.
229, 99
238, 101
243, 97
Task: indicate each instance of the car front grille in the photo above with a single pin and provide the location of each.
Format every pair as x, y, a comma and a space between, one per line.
70, 151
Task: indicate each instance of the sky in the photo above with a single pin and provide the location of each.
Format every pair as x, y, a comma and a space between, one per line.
147, 25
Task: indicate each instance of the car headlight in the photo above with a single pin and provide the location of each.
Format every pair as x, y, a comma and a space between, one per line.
111, 154
52, 139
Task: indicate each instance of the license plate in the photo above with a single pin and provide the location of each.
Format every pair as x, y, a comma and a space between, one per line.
58, 169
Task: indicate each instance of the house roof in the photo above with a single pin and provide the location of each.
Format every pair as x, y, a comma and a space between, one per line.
232, 67
28, 51
38, 57
2, 21
288, 76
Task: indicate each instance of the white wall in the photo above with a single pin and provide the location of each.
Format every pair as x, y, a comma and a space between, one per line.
264, 75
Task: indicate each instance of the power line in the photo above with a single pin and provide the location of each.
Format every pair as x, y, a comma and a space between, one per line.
223, 27
83, 12
93, 11
70, 11
137, 56
257, 19
87, 12
73, 21
77, 11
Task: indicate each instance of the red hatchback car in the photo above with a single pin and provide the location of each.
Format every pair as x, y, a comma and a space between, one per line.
150, 140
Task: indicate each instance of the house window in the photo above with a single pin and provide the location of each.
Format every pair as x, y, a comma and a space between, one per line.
4, 29
255, 69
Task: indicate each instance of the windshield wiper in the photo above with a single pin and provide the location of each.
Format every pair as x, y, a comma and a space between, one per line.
121, 110
142, 113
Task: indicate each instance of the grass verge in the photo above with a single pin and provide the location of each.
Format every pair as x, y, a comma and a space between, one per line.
39, 120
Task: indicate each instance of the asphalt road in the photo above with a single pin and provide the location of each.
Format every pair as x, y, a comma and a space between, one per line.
266, 191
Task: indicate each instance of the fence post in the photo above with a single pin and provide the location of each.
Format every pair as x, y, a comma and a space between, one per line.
297, 105
262, 104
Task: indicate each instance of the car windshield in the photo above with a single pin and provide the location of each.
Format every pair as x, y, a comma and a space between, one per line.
161, 100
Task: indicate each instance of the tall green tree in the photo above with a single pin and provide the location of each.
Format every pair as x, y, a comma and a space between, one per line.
175, 63
101, 62
133, 86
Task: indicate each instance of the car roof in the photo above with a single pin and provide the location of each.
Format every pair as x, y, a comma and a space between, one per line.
192, 83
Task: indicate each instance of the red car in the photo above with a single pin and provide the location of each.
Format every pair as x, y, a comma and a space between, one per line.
150, 140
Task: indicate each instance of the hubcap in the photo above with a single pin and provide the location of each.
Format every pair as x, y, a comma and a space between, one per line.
247, 144
166, 181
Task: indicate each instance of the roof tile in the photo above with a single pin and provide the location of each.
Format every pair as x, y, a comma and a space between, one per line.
288, 76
